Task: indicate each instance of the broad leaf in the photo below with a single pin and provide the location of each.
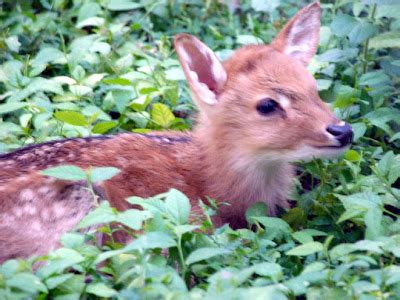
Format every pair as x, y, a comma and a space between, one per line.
306, 249
205, 253
66, 172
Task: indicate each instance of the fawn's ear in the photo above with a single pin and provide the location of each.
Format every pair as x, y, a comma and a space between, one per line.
300, 37
204, 72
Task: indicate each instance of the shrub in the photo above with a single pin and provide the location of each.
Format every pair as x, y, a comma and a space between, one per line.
80, 68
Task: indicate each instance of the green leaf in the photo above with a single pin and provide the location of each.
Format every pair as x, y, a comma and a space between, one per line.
350, 214
359, 130
154, 205
374, 78
102, 173
59, 260
246, 39
88, 10
327, 293
175, 74
101, 215
71, 117
373, 221
148, 90
394, 172
48, 55
162, 115
258, 209
9, 267
151, 240
103, 127
306, 249
366, 200
275, 227
381, 116
386, 162
338, 55
26, 282
343, 24
101, 290
12, 43
72, 240
324, 84
118, 5
341, 250
66, 172
182, 229
395, 137
389, 39
352, 155
265, 6
11, 106
361, 32
54, 281
118, 81
268, 269
302, 237
178, 206
368, 204
132, 218
205, 253
141, 118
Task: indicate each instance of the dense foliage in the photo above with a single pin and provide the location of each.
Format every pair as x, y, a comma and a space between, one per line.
80, 68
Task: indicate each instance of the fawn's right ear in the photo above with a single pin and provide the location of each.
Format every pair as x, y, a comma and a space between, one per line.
204, 72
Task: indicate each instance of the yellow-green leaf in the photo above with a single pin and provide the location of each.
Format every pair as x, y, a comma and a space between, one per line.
71, 117
162, 115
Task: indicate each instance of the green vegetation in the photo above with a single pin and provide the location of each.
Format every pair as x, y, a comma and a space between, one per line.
80, 68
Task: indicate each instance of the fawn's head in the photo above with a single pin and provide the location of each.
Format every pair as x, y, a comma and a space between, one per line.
263, 100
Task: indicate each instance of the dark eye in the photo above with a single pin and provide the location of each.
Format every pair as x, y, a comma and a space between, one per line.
267, 106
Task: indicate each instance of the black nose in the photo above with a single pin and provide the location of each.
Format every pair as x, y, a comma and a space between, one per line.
343, 133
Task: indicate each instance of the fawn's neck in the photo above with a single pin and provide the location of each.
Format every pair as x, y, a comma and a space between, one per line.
239, 178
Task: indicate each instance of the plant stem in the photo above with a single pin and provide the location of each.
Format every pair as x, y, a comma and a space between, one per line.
181, 259
366, 44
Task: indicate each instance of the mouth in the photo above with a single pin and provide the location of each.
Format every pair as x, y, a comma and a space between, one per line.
331, 151
338, 147
307, 153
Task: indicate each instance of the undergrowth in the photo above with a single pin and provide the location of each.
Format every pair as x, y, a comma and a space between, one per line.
81, 68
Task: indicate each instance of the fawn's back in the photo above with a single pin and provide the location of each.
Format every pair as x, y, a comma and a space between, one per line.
258, 111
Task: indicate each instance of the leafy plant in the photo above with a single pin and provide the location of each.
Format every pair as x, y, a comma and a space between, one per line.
81, 68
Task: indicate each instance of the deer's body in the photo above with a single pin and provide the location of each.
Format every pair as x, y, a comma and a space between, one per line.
35, 210
259, 111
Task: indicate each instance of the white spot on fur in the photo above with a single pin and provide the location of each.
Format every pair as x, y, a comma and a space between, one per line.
44, 190
49, 180
71, 155
17, 211
36, 225
122, 161
58, 210
25, 156
7, 218
45, 214
27, 195
21, 179
29, 209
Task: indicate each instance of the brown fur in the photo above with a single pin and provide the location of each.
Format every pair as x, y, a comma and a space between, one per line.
234, 154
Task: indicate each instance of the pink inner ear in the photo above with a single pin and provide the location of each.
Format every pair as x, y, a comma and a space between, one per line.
201, 63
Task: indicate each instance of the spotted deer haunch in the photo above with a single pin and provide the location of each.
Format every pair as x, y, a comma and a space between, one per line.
258, 111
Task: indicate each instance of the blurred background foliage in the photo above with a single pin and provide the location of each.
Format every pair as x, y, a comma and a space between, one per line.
80, 68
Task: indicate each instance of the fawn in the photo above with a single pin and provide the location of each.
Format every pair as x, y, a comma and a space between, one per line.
259, 111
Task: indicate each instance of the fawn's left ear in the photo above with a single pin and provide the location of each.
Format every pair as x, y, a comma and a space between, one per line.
300, 37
